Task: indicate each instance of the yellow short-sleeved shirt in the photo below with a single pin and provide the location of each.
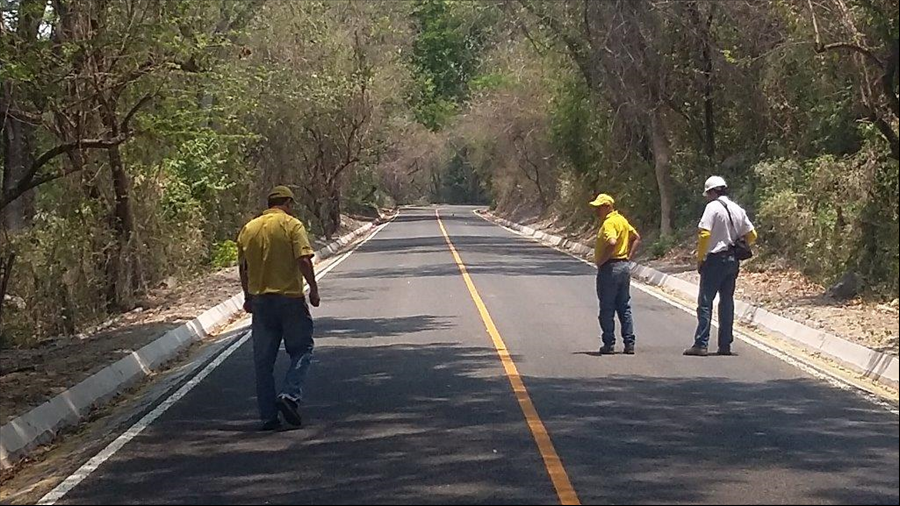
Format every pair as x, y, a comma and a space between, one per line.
271, 245
615, 226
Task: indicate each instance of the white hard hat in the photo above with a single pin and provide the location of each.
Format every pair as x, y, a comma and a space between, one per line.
713, 183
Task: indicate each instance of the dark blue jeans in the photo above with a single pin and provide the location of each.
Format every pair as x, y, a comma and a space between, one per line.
277, 318
614, 292
717, 276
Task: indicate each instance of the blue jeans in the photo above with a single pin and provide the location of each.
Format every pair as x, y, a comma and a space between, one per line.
277, 318
717, 276
614, 292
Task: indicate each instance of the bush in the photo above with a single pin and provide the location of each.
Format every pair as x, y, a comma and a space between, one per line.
661, 247
830, 215
224, 254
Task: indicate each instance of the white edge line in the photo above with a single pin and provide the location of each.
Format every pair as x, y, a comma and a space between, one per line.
84, 471
811, 369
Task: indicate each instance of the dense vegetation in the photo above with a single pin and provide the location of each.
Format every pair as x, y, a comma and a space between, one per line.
139, 134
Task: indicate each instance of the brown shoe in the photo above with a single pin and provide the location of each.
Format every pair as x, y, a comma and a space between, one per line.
696, 351
608, 350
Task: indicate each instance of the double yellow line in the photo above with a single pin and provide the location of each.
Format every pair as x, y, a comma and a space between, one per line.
552, 462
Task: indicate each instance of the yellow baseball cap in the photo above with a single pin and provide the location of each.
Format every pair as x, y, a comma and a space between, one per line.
603, 200
281, 192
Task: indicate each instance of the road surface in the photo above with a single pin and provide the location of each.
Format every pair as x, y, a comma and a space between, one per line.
410, 402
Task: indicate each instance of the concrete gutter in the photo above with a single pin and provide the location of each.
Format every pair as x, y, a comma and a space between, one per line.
875, 365
42, 424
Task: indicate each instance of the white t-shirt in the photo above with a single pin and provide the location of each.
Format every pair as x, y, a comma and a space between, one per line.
722, 234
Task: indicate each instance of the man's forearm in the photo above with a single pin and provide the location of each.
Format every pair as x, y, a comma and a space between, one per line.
245, 280
703, 239
309, 273
635, 244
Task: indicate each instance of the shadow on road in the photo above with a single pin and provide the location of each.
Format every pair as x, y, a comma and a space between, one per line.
437, 424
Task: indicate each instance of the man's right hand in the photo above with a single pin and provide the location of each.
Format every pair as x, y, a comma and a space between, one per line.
248, 303
314, 297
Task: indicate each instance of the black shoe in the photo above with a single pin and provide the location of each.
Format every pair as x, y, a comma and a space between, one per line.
608, 349
629, 349
726, 352
290, 410
696, 351
271, 426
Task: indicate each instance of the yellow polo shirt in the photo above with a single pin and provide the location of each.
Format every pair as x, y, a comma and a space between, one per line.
615, 226
271, 245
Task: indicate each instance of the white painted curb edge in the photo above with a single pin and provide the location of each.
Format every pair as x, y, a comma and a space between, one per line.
42, 424
875, 365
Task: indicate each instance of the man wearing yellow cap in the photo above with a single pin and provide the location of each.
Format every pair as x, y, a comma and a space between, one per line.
275, 256
617, 242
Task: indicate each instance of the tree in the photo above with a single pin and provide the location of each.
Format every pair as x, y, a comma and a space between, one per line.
615, 46
875, 55
445, 56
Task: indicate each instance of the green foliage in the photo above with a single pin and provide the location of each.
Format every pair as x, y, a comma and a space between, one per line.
597, 160
434, 100
224, 254
195, 175
445, 57
460, 184
830, 215
661, 247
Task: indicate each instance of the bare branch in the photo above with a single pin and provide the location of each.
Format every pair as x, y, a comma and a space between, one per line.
851, 47
31, 179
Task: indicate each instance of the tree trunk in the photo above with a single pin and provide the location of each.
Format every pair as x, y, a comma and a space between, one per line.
662, 159
333, 216
123, 272
5, 275
703, 41
17, 158
18, 136
707, 68
124, 212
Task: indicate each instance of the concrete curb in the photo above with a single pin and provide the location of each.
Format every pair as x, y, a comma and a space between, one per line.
875, 365
42, 424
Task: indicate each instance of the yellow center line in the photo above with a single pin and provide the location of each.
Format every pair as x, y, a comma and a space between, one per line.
552, 462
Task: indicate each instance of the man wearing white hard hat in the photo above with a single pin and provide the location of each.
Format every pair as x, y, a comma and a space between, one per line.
725, 237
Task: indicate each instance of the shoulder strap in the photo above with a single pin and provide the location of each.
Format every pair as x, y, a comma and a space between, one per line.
730, 219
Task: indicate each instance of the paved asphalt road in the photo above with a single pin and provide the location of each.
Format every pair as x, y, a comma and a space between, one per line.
409, 402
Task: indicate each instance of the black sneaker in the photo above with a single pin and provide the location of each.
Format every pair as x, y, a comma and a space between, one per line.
726, 352
629, 349
271, 426
696, 351
290, 410
608, 349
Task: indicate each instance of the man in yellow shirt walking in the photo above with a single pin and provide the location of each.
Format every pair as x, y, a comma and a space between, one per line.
616, 244
274, 257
